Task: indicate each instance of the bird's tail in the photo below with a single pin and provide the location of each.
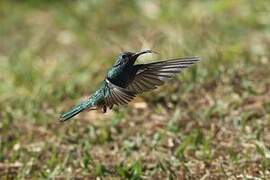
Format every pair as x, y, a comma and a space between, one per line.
73, 111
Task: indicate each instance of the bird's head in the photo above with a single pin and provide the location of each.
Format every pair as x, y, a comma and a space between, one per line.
129, 58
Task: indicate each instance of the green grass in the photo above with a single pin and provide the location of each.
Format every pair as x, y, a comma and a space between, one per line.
211, 122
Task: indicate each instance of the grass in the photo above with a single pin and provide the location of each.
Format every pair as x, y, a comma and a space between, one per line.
210, 122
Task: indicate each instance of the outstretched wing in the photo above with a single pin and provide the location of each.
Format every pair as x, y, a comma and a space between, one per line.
117, 95
149, 76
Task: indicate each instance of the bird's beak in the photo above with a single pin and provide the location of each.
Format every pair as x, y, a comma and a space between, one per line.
136, 55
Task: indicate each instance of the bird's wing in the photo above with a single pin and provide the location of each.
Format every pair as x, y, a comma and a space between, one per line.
149, 76
117, 95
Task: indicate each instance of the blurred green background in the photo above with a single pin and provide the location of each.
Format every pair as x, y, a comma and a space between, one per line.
211, 122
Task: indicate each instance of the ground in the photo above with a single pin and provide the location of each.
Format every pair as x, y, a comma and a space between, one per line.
210, 122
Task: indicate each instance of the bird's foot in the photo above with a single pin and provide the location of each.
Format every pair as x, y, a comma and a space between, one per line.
92, 108
104, 109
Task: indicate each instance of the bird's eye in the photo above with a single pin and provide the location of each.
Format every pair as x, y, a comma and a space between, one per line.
124, 56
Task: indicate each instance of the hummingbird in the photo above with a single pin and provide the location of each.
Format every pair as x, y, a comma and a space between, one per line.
125, 80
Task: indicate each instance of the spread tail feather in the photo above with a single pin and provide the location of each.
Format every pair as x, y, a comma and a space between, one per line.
73, 112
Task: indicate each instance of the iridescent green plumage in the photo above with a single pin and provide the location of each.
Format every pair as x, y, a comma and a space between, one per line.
125, 80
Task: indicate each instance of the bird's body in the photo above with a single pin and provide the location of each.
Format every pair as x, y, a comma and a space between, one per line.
125, 80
